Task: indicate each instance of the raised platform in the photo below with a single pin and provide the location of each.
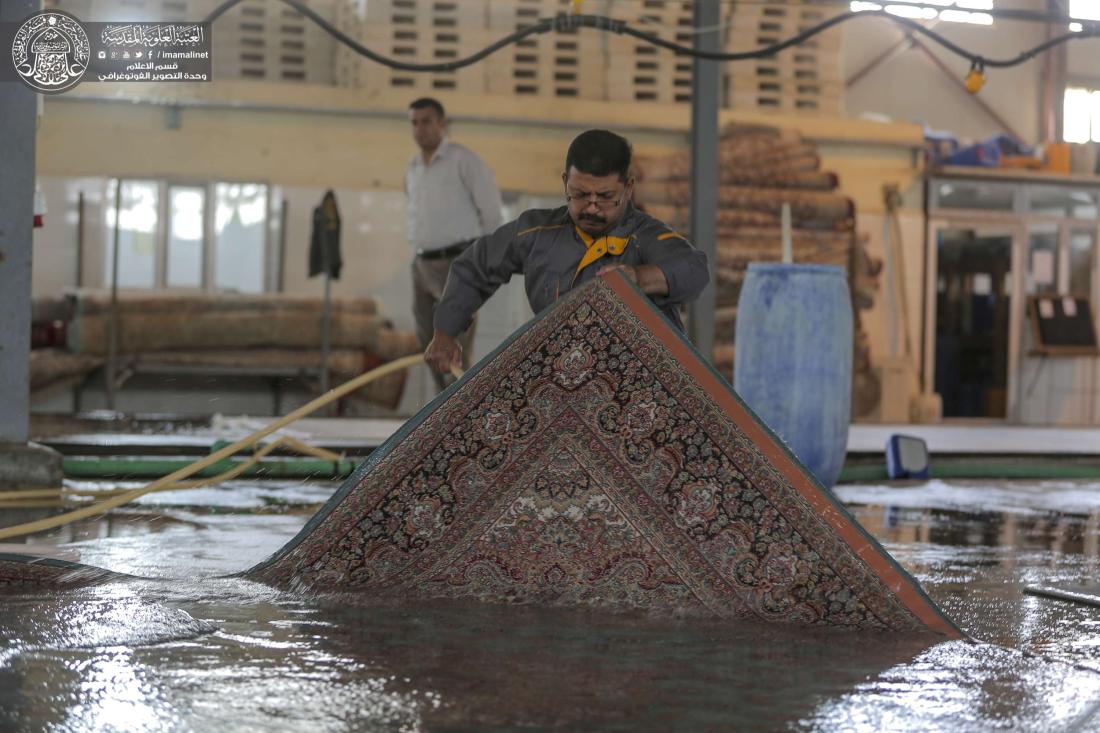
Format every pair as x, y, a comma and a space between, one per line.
982, 439
358, 436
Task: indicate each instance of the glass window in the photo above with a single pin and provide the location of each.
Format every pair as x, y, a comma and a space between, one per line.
972, 195
185, 236
137, 234
955, 11
239, 256
1082, 245
1063, 202
1042, 259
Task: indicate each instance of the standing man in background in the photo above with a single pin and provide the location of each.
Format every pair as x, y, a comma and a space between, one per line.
452, 200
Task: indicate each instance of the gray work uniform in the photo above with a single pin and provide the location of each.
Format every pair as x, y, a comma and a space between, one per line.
545, 246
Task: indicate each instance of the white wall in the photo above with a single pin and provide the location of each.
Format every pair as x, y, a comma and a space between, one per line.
376, 254
1059, 390
911, 88
1083, 63
305, 139
55, 244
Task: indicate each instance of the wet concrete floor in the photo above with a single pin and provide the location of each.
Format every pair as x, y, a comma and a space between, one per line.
185, 650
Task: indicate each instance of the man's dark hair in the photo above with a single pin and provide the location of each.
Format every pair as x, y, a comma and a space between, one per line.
425, 103
599, 153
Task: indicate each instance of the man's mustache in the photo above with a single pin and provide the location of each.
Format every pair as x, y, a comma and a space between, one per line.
593, 217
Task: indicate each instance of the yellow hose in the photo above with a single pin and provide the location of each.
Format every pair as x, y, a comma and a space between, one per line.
172, 479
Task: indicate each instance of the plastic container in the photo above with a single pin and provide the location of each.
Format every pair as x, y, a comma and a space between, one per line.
793, 359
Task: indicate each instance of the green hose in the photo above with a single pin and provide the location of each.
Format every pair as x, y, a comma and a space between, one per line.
946, 469
91, 467
144, 468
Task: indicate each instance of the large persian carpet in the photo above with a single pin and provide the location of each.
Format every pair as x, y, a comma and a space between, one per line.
596, 460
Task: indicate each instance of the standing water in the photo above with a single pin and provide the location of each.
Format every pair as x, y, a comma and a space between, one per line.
184, 650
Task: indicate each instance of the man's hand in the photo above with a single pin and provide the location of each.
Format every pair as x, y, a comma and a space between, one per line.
650, 279
628, 270
443, 353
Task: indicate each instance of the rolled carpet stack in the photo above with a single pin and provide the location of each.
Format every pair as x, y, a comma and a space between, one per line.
228, 330
761, 169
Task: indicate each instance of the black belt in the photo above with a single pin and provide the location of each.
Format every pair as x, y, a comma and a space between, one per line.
453, 250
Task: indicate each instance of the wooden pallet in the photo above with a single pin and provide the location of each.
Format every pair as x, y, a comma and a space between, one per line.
806, 78
258, 41
550, 66
565, 65
589, 64
415, 31
640, 72
440, 15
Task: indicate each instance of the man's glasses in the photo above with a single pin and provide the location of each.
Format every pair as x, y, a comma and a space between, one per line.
604, 200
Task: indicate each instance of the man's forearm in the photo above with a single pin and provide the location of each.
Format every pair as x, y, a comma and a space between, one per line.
651, 279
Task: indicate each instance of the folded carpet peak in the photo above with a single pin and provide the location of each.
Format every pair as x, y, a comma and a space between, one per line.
595, 459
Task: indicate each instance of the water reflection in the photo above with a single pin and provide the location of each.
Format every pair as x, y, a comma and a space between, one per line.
958, 686
975, 547
1059, 533
228, 654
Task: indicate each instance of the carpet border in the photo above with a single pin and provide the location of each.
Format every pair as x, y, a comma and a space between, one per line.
880, 562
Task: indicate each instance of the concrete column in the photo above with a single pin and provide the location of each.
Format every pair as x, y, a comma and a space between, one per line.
20, 463
17, 123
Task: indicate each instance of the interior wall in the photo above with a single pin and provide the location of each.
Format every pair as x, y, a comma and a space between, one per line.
910, 87
1058, 390
377, 260
56, 243
1083, 63
303, 140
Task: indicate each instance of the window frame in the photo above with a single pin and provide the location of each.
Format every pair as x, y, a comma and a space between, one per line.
272, 219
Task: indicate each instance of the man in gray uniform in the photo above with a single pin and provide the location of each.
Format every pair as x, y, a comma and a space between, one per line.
452, 200
598, 229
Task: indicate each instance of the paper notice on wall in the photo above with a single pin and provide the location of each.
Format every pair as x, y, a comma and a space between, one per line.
1069, 307
1042, 266
1046, 309
982, 283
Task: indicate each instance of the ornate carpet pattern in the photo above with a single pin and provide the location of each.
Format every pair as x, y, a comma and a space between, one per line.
595, 460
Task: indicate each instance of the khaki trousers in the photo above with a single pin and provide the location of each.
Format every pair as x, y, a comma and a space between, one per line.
429, 278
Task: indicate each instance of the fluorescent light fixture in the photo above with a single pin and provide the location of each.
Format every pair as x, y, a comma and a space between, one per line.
912, 11
955, 11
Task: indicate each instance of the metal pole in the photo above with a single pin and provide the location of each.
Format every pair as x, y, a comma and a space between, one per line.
785, 224
112, 329
326, 319
1051, 121
704, 168
280, 280
79, 282
326, 331
18, 115
891, 286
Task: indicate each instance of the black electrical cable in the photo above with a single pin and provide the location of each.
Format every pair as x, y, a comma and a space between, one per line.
567, 23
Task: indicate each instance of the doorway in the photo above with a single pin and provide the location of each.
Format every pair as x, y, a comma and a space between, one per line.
973, 289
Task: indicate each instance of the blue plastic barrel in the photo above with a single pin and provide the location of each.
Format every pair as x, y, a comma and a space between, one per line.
793, 359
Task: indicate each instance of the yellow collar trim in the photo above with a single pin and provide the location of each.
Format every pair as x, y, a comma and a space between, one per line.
598, 248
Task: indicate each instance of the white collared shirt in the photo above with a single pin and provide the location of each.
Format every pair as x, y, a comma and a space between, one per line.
453, 198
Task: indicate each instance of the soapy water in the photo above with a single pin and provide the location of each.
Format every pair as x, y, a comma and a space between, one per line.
186, 650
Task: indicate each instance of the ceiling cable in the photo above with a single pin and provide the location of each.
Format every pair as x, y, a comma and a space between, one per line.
565, 23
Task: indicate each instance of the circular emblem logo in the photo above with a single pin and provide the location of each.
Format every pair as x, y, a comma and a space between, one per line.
51, 52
